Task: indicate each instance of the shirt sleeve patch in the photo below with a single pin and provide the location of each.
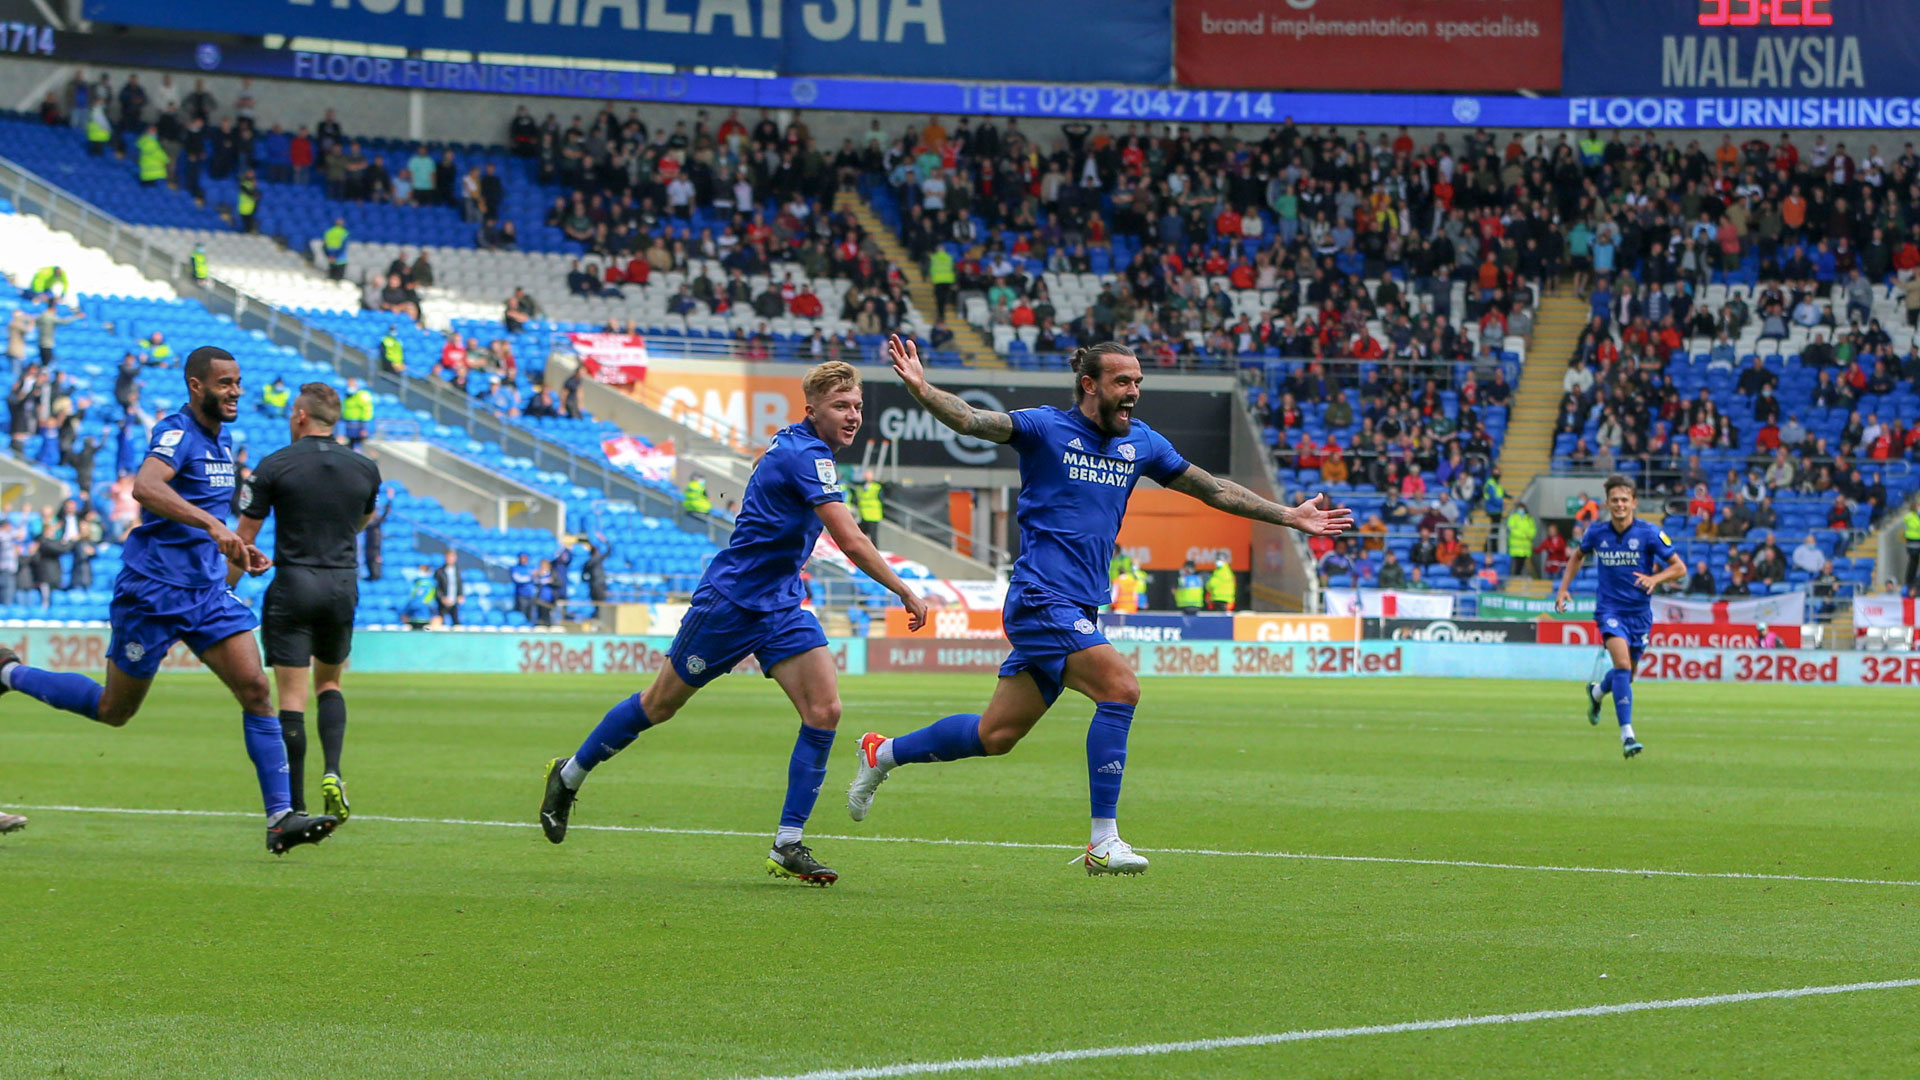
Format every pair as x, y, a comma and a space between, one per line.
1665, 539
171, 438
824, 469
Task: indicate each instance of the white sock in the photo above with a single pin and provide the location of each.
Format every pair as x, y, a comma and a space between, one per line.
883, 757
272, 819
1626, 732
787, 834
1594, 691
1104, 829
572, 775
6, 674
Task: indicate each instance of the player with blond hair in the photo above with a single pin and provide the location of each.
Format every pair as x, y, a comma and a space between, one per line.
748, 602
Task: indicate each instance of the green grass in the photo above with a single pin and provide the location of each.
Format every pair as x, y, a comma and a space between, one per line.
143, 946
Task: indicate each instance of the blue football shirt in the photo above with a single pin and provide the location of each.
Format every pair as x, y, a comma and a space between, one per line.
167, 551
1074, 486
1642, 549
777, 526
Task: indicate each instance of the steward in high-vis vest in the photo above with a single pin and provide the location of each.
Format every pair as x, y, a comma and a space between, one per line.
273, 400
334, 243
159, 353
246, 202
98, 130
48, 281
198, 262
356, 413
1521, 530
393, 356
1190, 592
872, 510
1910, 531
1221, 586
151, 156
694, 500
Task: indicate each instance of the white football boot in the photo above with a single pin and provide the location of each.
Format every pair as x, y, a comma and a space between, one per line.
1114, 856
867, 778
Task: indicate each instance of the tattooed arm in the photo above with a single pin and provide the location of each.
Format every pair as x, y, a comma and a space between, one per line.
947, 408
1229, 497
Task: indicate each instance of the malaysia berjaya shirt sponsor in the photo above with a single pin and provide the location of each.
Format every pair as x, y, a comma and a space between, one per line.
1074, 486
203, 474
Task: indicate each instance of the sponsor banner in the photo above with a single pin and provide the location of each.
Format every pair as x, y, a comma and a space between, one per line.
651, 462
1262, 626
1766, 48
949, 656
956, 623
1701, 635
614, 359
477, 652
1778, 608
1164, 529
1390, 603
1046, 100
1490, 631
744, 410
1115, 40
1120, 628
1883, 610
1368, 44
1195, 421
1510, 606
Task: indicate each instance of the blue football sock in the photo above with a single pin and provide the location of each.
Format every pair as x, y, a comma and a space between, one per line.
615, 732
268, 749
949, 738
1623, 696
1107, 755
62, 690
806, 771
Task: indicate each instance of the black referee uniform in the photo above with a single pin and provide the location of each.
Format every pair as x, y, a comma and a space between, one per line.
319, 492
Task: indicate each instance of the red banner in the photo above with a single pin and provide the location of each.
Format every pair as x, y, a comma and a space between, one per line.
1369, 45
614, 359
1671, 635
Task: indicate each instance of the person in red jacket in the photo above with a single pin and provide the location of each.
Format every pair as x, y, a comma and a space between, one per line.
805, 305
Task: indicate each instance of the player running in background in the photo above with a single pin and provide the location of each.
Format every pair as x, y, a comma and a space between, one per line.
173, 587
749, 602
1078, 466
321, 495
1635, 557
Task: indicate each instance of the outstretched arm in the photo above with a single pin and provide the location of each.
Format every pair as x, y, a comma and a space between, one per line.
1227, 496
946, 408
1561, 596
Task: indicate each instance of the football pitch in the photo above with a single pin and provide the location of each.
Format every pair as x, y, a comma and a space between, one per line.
1351, 878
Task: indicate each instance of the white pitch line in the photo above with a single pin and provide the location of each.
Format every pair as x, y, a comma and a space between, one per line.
1296, 856
1056, 1057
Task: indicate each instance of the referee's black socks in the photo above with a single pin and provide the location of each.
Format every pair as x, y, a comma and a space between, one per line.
293, 731
333, 727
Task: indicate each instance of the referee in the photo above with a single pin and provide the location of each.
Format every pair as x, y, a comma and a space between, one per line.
324, 494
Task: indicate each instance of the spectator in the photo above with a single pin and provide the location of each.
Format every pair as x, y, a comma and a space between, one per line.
520, 309
1702, 583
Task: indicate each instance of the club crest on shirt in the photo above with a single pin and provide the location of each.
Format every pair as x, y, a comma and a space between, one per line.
134, 649
1085, 626
1126, 451
1634, 544
695, 665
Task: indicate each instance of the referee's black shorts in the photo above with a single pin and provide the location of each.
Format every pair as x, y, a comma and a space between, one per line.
309, 615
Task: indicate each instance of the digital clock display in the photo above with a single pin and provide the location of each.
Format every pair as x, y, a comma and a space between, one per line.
1778, 13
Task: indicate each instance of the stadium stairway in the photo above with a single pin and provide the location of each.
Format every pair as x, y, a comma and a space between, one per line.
968, 341
1529, 447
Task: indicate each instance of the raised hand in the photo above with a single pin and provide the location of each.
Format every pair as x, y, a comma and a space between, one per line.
906, 362
1311, 519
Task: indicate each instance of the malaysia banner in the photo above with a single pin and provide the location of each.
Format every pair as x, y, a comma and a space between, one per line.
614, 359
1782, 608
1889, 609
651, 462
1369, 45
1390, 604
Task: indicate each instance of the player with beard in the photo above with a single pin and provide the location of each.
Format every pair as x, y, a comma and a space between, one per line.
1078, 467
173, 587
748, 603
